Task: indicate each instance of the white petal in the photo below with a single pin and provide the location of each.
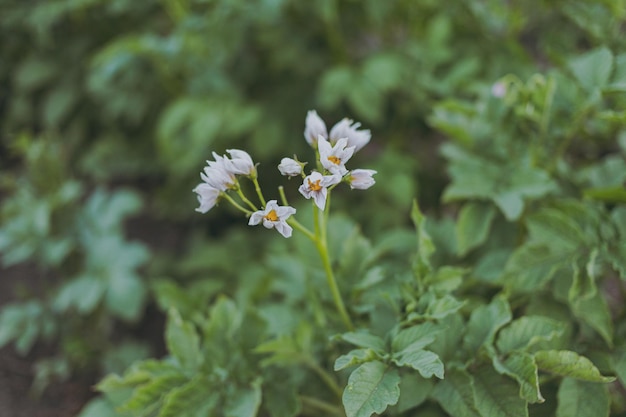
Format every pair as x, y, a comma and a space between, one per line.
320, 198
284, 229
256, 218
314, 126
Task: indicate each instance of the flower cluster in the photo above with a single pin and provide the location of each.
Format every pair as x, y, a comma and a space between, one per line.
333, 151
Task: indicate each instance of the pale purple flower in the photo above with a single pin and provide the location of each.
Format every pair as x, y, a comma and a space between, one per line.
316, 186
361, 179
314, 127
349, 130
274, 216
240, 163
334, 158
290, 167
207, 197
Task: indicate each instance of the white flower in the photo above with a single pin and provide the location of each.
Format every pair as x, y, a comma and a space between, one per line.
334, 158
349, 130
498, 89
217, 174
361, 179
240, 163
207, 196
290, 167
314, 127
316, 186
274, 216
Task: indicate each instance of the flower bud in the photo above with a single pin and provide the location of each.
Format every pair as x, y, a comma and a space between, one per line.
290, 167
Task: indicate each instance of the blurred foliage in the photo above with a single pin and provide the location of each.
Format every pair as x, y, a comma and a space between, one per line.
506, 118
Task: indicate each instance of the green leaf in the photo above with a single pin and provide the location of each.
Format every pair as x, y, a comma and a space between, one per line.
190, 400
280, 400
355, 357
415, 337
455, 394
595, 312
593, 69
371, 388
497, 395
413, 391
425, 362
425, 246
485, 321
98, 407
245, 402
582, 399
522, 367
125, 296
183, 341
531, 266
569, 364
526, 331
555, 228
365, 340
472, 227
147, 397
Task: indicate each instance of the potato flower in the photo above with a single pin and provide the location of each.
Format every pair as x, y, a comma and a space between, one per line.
346, 128
207, 197
290, 167
334, 158
361, 179
240, 163
316, 186
274, 216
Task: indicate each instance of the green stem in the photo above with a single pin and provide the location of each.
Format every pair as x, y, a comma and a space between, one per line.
325, 376
257, 188
236, 204
311, 402
322, 248
245, 199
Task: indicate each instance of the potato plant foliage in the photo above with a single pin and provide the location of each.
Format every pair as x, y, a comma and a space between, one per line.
482, 275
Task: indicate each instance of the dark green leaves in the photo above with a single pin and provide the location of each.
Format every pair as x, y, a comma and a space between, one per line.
569, 364
372, 387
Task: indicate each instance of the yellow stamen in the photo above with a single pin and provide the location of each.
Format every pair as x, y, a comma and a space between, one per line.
315, 186
334, 160
272, 216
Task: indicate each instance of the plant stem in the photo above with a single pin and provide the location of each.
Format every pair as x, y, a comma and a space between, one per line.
245, 199
325, 376
318, 404
236, 204
257, 188
322, 248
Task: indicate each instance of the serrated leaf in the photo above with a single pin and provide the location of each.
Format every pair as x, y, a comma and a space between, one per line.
183, 341
522, 367
415, 337
485, 321
473, 224
455, 394
497, 395
569, 364
365, 340
371, 388
526, 331
427, 363
582, 399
